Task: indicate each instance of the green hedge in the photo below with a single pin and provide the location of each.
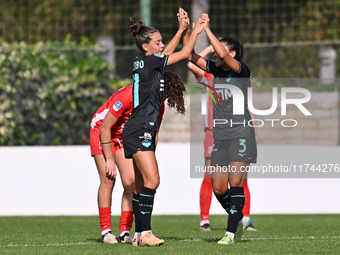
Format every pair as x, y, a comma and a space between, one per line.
49, 91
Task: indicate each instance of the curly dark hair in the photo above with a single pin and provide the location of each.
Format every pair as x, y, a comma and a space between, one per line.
173, 91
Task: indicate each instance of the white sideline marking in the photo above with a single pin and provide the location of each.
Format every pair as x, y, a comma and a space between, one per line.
44, 245
266, 238
183, 240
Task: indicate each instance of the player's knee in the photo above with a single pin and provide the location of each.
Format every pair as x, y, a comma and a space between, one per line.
235, 182
218, 190
152, 183
129, 186
107, 184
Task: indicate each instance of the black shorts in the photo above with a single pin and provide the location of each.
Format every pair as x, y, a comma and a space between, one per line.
234, 150
137, 139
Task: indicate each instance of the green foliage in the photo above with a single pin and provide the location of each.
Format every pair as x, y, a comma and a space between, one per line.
288, 62
35, 20
49, 91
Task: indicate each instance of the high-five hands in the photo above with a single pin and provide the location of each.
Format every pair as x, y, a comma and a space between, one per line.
183, 19
206, 21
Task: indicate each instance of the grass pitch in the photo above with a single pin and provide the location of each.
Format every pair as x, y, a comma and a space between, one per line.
277, 234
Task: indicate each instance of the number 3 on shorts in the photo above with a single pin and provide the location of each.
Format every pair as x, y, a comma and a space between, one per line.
242, 143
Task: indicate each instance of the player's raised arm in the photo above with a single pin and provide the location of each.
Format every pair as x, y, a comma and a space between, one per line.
188, 47
220, 50
196, 59
182, 27
196, 70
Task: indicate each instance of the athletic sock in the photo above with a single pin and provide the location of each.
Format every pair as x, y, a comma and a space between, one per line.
205, 198
136, 211
204, 222
236, 206
241, 221
230, 234
121, 234
146, 198
246, 208
105, 219
224, 200
125, 222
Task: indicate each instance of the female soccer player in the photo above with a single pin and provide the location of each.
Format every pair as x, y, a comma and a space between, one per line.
234, 143
140, 130
206, 187
107, 149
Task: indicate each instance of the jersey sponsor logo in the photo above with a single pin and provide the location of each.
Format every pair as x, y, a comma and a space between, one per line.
117, 106
159, 55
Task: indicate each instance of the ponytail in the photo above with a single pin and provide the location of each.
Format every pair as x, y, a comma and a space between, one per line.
141, 33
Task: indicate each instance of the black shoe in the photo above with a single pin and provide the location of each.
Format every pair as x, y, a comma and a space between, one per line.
205, 227
126, 238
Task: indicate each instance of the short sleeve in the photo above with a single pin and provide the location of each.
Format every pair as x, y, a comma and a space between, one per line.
156, 61
211, 66
244, 70
120, 103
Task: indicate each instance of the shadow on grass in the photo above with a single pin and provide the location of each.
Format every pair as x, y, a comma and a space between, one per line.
192, 239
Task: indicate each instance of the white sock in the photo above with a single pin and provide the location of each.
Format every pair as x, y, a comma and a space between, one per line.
230, 234
204, 222
138, 234
105, 231
144, 232
121, 234
241, 221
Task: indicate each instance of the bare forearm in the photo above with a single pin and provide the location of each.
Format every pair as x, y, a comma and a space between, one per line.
216, 44
171, 47
186, 36
105, 138
185, 52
